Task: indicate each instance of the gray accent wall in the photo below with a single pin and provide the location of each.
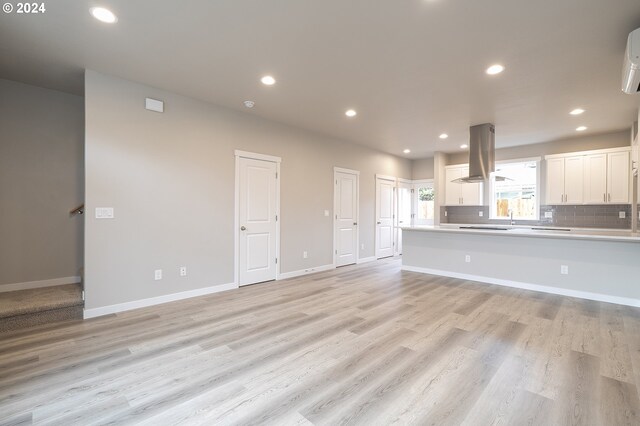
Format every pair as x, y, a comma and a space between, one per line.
41, 180
170, 178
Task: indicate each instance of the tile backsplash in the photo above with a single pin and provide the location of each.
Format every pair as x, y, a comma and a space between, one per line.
581, 216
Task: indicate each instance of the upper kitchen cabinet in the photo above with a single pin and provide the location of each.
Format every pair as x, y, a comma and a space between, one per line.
565, 180
461, 194
594, 177
618, 177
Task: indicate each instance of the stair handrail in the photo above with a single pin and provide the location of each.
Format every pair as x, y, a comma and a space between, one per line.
77, 210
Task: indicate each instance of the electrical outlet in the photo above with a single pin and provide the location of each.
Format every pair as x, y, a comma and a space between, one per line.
467, 259
326, 213
304, 255
622, 215
445, 213
480, 213
564, 269
158, 274
548, 215
183, 271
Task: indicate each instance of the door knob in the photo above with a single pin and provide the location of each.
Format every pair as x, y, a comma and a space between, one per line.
355, 223
379, 223
243, 228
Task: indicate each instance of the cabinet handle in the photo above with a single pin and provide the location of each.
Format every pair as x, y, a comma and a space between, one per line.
604, 197
609, 197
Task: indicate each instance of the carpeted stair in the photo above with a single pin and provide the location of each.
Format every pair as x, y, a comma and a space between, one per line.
26, 308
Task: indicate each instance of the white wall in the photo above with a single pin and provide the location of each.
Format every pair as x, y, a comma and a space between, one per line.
41, 180
170, 178
422, 168
560, 146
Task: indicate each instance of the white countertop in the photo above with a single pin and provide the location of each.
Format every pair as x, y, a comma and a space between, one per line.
535, 232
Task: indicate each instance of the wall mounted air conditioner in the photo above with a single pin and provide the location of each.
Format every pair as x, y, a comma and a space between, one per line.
631, 69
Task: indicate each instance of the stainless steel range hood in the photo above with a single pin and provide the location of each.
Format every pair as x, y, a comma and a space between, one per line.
482, 153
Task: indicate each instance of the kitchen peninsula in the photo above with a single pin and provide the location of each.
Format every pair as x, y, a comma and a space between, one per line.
601, 265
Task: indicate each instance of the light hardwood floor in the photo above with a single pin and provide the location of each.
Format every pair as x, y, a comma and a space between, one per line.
365, 344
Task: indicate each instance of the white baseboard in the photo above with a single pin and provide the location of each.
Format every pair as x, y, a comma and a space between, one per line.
143, 303
529, 286
39, 284
306, 271
366, 259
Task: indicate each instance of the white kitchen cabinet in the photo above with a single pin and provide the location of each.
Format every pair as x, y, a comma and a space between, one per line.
593, 177
565, 180
574, 180
452, 189
618, 177
555, 181
461, 194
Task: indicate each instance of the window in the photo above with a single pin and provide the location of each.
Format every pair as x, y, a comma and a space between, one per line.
425, 203
517, 193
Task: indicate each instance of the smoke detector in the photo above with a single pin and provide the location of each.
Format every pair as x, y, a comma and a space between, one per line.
249, 104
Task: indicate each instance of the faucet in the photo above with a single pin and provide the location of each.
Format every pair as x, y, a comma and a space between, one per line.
511, 217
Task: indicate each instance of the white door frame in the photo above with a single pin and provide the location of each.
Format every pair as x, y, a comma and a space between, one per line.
236, 222
396, 220
414, 205
375, 212
335, 202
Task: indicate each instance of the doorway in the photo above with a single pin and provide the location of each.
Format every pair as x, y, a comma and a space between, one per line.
346, 204
403, 192
257, 213
385, 216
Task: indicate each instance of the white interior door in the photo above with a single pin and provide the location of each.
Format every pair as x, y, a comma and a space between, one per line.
385, 207
346, 218
257, 219
403, 192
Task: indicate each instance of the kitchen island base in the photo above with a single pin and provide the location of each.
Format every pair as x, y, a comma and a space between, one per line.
598, 269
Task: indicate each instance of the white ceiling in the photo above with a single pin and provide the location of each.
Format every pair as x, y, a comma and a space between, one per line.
411, 68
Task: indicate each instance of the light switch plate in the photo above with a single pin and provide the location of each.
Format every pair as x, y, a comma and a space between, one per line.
157, 274
622, 215
154, 105
480, 213
326, 213
548, 215
104, 212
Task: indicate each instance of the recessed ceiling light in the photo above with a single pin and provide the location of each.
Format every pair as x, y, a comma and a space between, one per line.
581, 128
464, 146
495, 69
407, 151
577, 111
104, 15
444, 136
267, 80
249, 104
350, 113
